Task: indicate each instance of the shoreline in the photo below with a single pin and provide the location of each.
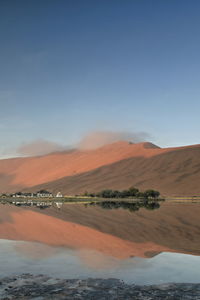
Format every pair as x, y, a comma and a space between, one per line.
88, 200
42, 287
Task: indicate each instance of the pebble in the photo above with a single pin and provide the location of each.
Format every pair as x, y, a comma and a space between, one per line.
42, 287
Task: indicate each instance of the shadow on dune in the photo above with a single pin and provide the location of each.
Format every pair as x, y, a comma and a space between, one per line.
176, 172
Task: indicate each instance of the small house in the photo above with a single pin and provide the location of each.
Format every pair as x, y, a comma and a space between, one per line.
44, 194
59, 195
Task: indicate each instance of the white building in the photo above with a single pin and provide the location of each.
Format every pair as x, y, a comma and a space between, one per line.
44, 194
59, 195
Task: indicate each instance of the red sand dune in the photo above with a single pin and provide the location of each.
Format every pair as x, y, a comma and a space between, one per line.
27, 225
35, 170
117, 165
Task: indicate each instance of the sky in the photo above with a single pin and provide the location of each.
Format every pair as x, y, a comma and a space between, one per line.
70, 68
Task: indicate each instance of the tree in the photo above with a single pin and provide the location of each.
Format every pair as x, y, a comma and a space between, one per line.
151, 194
133, 191
106, 193
140, 195
92, 195
116, 194
124, 193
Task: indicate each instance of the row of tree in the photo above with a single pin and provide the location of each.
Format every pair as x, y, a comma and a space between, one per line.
132, 192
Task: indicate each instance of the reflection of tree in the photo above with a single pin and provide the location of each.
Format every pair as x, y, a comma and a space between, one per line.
131, 206
152, 205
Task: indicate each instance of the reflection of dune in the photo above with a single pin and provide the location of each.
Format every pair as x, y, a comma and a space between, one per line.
97, 260
173, 225
36, 250
32, 226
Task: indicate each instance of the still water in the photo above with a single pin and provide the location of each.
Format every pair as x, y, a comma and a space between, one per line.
28, 257
145, 247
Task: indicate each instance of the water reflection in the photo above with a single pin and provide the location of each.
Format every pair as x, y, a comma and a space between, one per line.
30, 225
131, 206
36, 251
79, 242
18, 257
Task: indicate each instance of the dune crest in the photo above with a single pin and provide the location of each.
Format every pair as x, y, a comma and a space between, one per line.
32, 171
117, 165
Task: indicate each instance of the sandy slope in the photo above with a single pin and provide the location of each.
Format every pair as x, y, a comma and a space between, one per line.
173, 173
118, 165
35, 170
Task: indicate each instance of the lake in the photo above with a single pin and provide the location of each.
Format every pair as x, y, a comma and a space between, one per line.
78, 241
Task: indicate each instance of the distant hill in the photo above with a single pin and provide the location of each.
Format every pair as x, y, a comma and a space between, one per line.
172, 171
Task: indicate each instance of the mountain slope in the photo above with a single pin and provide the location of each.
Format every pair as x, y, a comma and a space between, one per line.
176, 172
24, 172
173, 171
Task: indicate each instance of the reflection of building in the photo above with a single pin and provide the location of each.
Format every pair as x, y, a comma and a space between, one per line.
4, 195
59, 195
58, 204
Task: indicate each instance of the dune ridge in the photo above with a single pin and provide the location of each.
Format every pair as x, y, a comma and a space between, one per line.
116, 165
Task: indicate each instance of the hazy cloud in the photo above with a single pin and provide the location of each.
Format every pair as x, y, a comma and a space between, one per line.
91, 141
39, 147
100, 138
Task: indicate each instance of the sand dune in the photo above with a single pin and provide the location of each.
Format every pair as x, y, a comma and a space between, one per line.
36, 170
173, 171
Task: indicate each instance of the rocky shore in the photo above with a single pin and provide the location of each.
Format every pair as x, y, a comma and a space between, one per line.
39, 287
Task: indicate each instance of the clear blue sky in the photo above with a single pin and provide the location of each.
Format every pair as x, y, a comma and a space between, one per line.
71, 67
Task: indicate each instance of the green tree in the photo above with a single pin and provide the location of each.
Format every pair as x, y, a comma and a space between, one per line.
133, 191
151, 194
106, 193
140, 195
125, 194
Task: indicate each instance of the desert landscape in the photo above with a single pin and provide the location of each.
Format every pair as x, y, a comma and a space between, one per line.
172, 171
99, 150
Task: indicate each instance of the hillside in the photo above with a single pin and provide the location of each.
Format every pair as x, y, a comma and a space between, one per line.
173, 171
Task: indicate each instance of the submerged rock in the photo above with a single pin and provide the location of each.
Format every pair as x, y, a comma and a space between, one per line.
41, 287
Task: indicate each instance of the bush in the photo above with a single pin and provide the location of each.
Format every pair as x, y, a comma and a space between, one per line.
151, 194
131, 192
